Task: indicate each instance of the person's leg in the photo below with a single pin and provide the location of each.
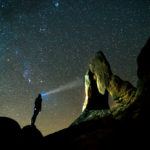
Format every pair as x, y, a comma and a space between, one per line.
33, 119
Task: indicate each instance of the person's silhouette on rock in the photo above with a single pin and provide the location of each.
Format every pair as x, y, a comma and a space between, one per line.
37, 108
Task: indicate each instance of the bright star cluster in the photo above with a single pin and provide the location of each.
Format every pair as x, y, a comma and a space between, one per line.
47, 43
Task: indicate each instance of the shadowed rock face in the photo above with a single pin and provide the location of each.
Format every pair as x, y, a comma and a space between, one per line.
143, 62
93, 99
138, 106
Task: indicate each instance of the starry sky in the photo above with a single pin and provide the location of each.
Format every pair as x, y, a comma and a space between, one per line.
48, 43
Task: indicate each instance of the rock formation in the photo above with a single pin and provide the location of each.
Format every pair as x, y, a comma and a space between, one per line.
124, 94
121, 91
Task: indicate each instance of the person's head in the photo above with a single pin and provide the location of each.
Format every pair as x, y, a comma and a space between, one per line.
39, 96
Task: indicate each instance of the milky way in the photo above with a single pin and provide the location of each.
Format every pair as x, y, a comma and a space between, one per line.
47, 43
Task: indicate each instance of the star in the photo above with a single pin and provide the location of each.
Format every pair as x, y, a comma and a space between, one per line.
29, 80
41, 81
56, 3
8, 59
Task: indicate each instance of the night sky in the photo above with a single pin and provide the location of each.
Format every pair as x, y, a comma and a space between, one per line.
48, 43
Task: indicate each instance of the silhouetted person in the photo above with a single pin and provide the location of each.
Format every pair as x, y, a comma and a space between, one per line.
37, 108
